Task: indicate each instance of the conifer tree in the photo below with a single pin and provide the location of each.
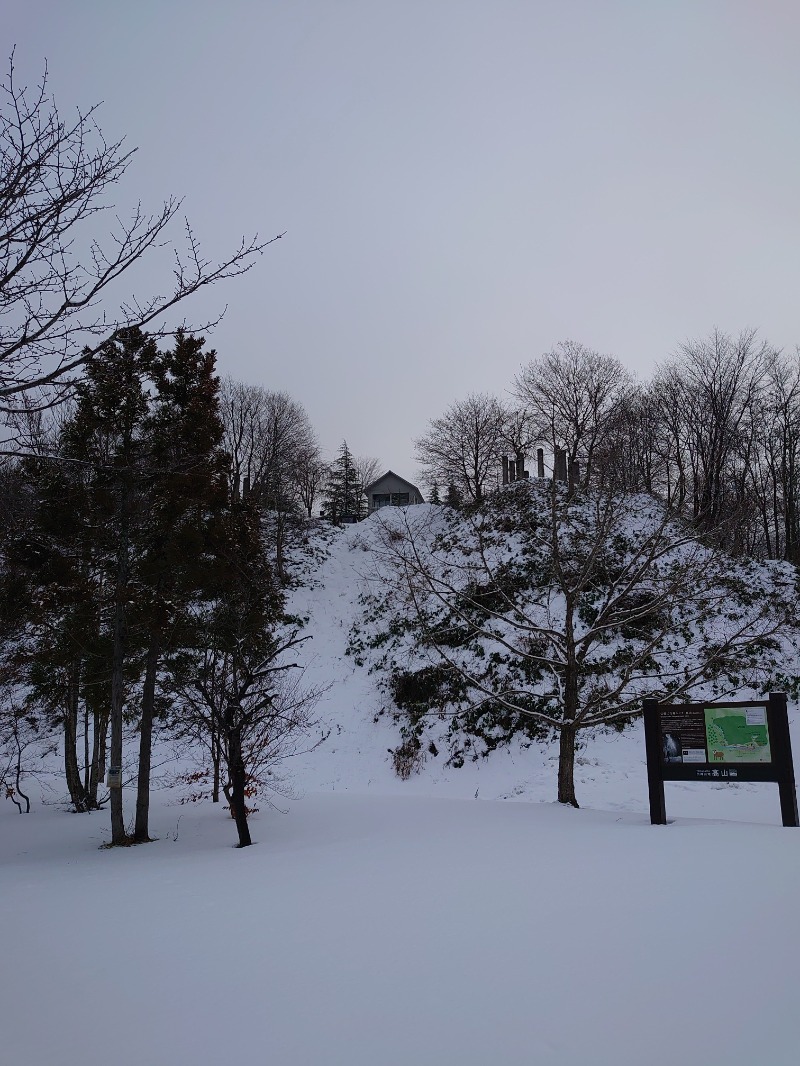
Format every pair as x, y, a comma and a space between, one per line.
48, 568
187, 487
75, 560
344, 492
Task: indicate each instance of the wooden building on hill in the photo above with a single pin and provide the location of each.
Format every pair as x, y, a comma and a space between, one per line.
391, 490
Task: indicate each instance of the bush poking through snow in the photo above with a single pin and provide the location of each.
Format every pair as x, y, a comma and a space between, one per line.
407, 758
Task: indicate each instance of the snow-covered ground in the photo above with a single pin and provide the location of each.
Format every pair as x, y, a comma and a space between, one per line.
428, 922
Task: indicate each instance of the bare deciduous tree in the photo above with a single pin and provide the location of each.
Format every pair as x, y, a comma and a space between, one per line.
519, 433
242, 709
367, 468
572, 395
58, 276
19, 733
629, 456
463, 447
265, 433
311, 473
711, 405
777, 470
274, 452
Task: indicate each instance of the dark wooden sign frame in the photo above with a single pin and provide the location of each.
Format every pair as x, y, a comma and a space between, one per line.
658, 717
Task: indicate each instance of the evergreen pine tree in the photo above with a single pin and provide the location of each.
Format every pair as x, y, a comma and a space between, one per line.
48, 568
344, 493
187, 487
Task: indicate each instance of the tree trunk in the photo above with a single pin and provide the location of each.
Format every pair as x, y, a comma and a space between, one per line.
566, 740
99, 740
17, 786
77, 793
117, 670
280, 538
117, 701
566, 764
238, 780
215, 760
87, 766
141, 832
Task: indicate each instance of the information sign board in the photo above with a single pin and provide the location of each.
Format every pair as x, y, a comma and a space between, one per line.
746, 741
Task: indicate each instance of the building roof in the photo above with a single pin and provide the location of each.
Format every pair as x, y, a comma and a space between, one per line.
368, 489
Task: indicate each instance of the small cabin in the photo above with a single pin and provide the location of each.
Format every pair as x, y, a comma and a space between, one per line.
391, 490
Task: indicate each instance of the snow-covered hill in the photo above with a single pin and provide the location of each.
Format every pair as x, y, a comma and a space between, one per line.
356, 713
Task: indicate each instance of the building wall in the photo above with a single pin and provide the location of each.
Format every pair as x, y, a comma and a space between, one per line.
389, 486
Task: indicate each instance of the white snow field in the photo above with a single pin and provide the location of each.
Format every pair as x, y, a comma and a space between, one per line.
458, 918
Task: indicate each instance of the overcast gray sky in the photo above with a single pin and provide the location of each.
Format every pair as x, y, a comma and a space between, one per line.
463, 182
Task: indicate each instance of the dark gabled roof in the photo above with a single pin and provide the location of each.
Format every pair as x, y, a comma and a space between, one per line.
390, 473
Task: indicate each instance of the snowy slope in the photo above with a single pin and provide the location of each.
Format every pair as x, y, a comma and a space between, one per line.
610, 771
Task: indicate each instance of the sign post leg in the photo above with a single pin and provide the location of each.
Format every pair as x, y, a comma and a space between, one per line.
781, 742
655, 783
789, 805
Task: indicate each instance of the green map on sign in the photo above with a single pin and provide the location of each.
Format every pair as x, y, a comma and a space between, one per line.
737, 734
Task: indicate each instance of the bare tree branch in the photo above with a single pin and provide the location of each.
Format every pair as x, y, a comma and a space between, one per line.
58, 279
